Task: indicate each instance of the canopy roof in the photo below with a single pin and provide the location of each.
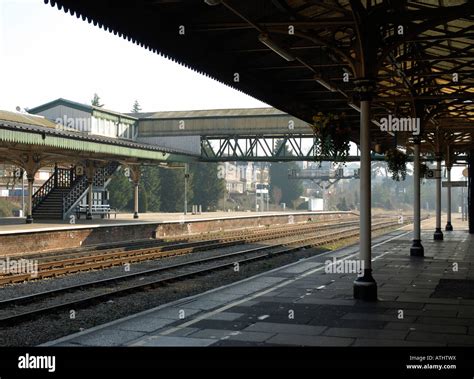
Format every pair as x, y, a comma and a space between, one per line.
24, 133
419, 53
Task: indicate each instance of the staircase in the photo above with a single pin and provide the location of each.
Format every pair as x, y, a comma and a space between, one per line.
60, 194
51, 208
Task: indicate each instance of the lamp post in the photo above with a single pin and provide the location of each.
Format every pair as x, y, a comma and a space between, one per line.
23, 192
186, 177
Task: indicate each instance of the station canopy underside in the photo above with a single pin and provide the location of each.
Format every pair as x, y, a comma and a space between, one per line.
418, 53
24, 135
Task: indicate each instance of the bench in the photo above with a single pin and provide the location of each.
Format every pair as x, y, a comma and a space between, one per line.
102, 210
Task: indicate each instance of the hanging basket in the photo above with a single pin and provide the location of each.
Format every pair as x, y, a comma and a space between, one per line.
397, 164
423, 170
333, 136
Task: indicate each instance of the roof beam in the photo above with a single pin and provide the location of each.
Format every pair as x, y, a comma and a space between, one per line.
336, 21
440, 16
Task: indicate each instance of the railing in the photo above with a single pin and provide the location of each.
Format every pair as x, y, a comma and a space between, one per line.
61, 178
65, 177
77, 185
103, 174
80, 186
43, 191
77, 190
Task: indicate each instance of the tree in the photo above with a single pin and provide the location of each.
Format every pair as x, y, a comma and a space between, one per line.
276, 195
172, 190
382, 196
342, 205
96, 101
136, 107
207, 187
151, 185
120, 191
291, 189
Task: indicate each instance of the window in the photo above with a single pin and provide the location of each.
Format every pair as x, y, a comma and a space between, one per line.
101, 126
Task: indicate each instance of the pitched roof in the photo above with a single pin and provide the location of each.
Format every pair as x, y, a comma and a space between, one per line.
27, 119
233, 112
32, 129
79, 106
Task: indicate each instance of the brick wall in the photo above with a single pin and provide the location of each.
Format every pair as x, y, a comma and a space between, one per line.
28, 242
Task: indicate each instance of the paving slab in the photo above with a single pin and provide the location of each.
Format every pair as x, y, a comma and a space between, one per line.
445, 321
225, 316
222, 324
451, 329
377, 317
144, 324
175, 313
212, 333
108, 337
169, 341
184, 332
368, 342
273, 327
301, 340
301, 268
247, 336
366, 333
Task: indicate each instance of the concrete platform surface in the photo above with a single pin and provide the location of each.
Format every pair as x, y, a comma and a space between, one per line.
303, 305
11, 225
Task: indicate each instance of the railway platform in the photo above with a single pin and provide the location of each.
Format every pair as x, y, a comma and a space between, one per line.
16, 225
52, 236
421, 302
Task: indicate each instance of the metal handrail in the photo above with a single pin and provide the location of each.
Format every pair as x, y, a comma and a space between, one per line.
61, 178
80, 185
43, 191
77, 189
67, 179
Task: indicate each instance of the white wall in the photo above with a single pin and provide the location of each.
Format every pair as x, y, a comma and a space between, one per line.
69, 117
109, 128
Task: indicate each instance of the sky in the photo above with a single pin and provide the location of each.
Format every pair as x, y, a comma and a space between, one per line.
46, 54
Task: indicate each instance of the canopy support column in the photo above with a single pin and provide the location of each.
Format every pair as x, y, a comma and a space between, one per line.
31, 179
438, 234
186, 177
470, 192
135, 174
449, 226
416, 249
31, 163
135, 200
365, 287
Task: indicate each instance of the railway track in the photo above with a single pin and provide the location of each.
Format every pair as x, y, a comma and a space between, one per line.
73, 297
55, 265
